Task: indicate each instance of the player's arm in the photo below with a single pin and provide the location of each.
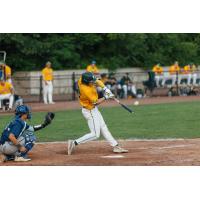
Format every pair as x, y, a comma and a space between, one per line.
106, 97
43, 76
47, 120
105, 89
14, 140
99, 101
11, 90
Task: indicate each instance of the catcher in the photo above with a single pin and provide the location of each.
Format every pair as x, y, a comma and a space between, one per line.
89, 101
18, 137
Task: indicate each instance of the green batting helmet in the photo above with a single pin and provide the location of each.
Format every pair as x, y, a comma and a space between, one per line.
88, 77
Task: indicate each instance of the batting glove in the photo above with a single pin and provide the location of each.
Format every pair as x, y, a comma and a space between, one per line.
109, 96
106, 90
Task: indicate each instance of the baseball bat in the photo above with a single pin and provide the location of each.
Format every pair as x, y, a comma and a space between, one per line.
124, 106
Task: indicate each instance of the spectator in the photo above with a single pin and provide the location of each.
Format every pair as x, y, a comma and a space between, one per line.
47, 75
111, 83
93, 68
172, 73
185, 74
6, 70
6, 92
103, 79
127, 86
158, 70
193, 73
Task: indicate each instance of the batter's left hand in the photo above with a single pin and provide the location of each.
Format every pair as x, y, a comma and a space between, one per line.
106, 90
109, 95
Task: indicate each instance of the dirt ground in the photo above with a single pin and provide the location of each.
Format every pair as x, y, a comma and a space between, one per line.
144, 152
98, 153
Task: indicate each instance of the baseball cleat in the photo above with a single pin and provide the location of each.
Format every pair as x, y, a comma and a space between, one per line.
118, 149
2, 158
21, 159
71, 146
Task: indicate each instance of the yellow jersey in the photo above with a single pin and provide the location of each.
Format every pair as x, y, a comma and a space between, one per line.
7, 71
88, 94
193, 68
6, 88
173, 69
47, 74
92, 68
104, 80
157, 69
186, 69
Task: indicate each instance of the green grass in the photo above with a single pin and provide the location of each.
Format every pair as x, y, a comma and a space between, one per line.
177, 120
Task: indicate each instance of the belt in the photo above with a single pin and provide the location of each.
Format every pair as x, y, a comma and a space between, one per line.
87, 108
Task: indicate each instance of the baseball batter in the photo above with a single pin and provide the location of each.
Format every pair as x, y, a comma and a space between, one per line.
18, 137
89, 101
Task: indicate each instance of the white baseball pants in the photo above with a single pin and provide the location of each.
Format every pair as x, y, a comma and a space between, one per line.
97, 126
48, 92
7, 96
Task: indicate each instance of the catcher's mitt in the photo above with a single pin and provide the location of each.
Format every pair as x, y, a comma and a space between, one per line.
48, 118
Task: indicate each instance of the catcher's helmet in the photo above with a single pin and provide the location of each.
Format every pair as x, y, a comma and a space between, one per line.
88, 77
21, 110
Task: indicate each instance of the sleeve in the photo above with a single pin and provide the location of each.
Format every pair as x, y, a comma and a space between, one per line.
88, 68
96, 70
8, 70
100, 83
16, 129
10, 86
43, 72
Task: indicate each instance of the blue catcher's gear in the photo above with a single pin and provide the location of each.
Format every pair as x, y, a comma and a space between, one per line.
21, 110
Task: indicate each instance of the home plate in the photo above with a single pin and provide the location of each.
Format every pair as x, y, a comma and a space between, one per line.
113, 156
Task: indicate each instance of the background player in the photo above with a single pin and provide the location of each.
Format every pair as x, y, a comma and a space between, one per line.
47, 75
6, 92
7, 70
89, 102
93, 68
18, 137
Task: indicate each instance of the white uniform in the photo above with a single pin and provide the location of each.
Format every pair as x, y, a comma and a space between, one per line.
97, 126
47, 74
10, 97
48, 92
6, 93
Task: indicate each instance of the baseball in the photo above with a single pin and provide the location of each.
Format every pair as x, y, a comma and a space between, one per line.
136, 103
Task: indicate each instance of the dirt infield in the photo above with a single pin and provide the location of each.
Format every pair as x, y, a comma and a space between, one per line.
152, 152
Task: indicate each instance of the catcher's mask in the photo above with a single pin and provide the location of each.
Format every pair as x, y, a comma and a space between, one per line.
88, 77
21, 110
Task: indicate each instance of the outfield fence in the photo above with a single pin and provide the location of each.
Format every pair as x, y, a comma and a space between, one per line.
30, 88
